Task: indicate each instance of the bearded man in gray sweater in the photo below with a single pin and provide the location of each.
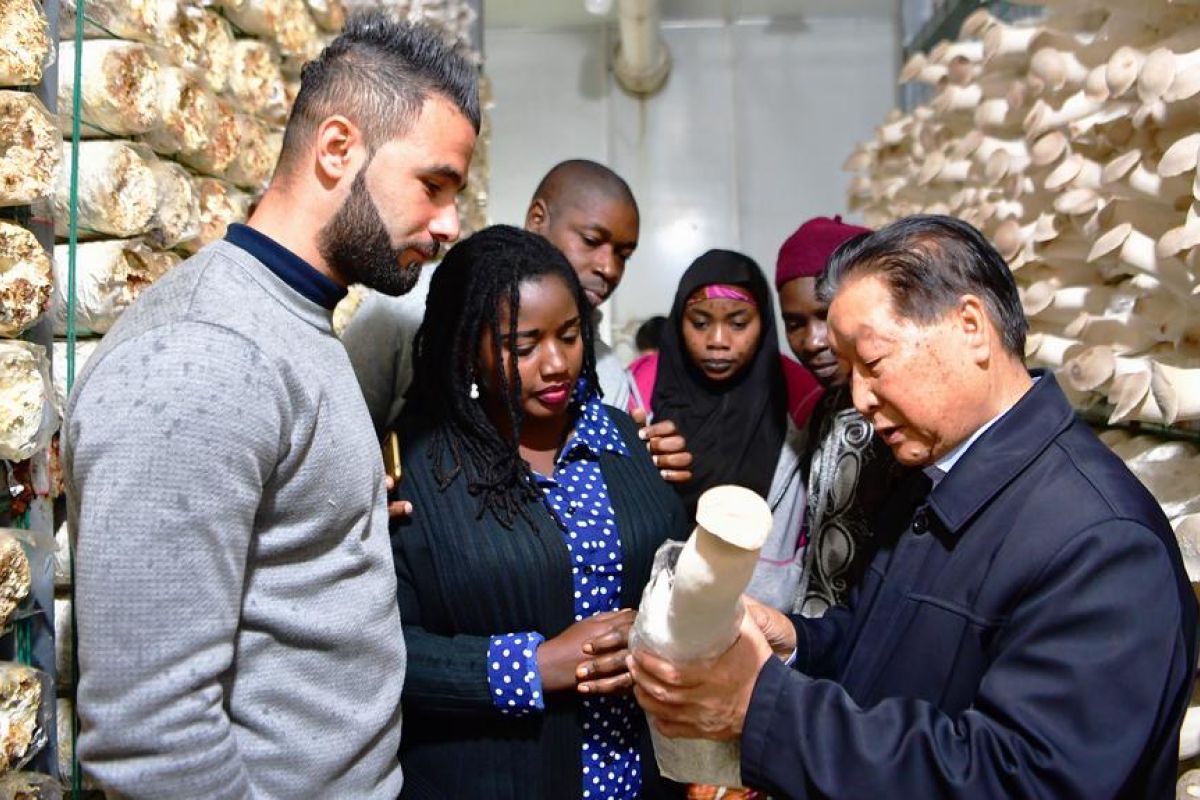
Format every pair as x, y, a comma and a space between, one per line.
238, 629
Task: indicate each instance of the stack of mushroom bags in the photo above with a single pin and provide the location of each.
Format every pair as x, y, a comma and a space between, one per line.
182, 107
29, 160
1072, 140
28, 417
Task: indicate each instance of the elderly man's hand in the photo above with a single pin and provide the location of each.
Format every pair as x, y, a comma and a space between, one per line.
704, 699
667, 447
776, 627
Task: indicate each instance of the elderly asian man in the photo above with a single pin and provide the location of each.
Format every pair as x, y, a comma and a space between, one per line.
1026, 628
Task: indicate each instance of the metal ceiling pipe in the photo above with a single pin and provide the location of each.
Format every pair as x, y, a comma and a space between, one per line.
641, 60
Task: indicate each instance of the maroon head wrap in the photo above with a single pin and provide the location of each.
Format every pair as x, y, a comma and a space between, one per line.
806, 251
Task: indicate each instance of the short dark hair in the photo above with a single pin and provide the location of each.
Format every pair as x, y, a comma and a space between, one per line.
929, 262
568, 181
649, 333
379, 72
478, 277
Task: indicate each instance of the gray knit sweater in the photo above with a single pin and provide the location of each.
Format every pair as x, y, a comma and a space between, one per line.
236, 600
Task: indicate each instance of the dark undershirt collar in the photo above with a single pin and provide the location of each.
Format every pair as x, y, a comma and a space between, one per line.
287, 266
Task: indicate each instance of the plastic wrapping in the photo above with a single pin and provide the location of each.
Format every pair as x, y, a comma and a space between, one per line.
118, 193
62, 557
177, 217
220, 204
147, 21
691, 610
202, 42
109, 276
256, 82
297, 36
291, 88
29, 786
120, 88
254, 17
15, 577
330, 15
25, 279
1188, 786
26, 713
30, 149
285, 22
28, 414
25, 45
83, 351
186, 113
257, 151
64, 644
293, 61
65, 709
222, 146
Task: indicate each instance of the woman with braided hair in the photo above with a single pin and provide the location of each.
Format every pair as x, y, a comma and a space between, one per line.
537, 515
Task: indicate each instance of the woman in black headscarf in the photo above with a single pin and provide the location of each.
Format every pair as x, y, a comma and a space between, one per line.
721, 380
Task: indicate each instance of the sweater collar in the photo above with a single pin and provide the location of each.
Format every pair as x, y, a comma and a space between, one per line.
290, 268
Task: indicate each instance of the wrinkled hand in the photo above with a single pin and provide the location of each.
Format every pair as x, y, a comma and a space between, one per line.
667, 447
704, 699
559, 658
397, 509
605, 672
778, 630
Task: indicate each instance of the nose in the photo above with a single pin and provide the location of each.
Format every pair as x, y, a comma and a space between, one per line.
865, 401
608, 264
718, 338
554, 364
444, 227
817, 337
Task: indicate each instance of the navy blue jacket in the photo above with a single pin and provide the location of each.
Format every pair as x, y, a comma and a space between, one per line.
1027, 630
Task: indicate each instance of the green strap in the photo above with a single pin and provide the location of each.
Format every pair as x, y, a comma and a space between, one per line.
72, 335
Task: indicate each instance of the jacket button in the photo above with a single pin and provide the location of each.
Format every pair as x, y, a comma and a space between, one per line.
920, 523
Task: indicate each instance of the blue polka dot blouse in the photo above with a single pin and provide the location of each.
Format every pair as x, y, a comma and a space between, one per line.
577, 496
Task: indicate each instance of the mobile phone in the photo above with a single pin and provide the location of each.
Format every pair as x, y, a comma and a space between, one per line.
391, 457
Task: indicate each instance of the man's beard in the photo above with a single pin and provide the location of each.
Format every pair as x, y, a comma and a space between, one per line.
356, 245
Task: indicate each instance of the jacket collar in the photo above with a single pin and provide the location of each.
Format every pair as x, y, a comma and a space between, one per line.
1002, 453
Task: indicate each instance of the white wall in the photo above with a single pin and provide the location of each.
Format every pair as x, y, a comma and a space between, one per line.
744, 142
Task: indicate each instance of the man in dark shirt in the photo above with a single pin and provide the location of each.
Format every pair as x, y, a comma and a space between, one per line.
1025, 630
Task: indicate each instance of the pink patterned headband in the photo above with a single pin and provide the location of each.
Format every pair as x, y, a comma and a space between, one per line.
721, 291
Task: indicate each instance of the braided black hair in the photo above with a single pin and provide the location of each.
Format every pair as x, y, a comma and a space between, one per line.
478, 277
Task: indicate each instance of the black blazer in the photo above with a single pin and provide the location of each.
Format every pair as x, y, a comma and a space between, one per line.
460, 580
1031, 633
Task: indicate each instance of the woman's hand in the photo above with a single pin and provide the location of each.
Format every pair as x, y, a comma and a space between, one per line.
667, 447
560, 659
397, 509
606, 672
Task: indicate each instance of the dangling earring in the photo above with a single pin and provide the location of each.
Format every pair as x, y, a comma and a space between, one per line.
473, 393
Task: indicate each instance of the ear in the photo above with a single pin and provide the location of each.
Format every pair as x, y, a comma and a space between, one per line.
339, 148
537, 217
972, 320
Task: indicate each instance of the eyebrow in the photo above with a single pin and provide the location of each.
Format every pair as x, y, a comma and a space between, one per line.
538, 331
602, 230
448, 172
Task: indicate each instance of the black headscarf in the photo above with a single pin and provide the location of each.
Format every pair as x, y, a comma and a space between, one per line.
734, 428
